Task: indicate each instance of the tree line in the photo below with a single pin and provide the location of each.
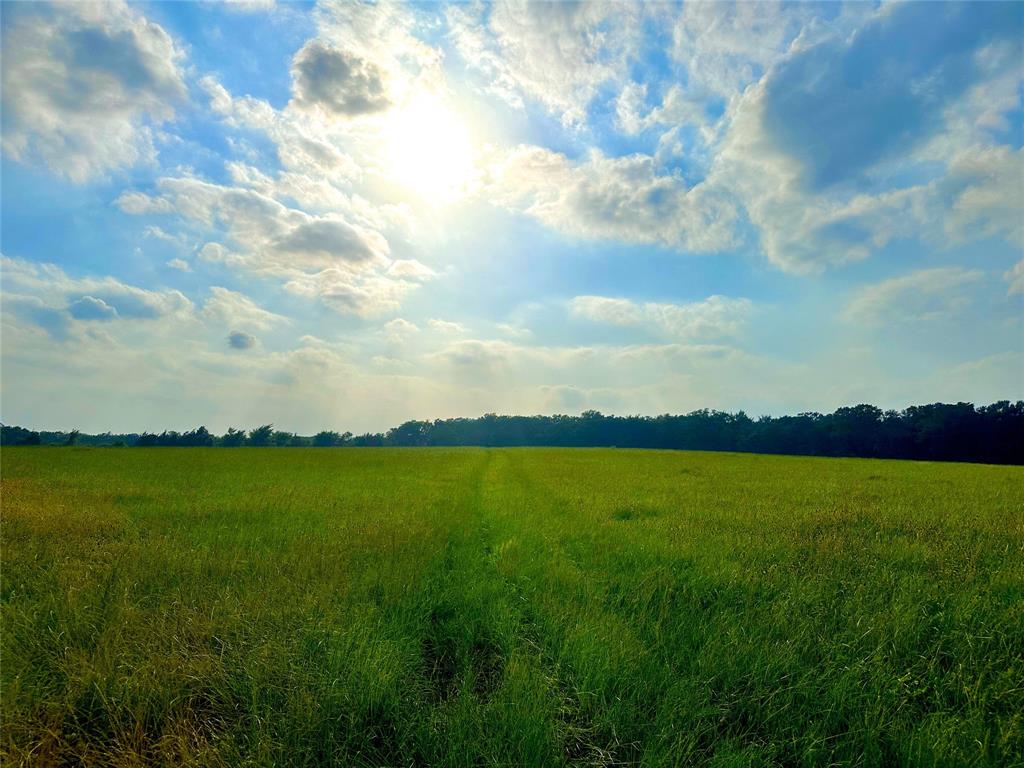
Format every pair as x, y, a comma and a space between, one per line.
940, 432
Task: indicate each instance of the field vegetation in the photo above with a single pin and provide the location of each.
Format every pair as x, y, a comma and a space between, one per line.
463, 607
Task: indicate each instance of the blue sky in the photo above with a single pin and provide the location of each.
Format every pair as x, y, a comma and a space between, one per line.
345, 215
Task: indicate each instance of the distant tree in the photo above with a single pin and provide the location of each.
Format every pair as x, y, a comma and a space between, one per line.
409, 433
938, 431
367, 440
233, 438
326, 439
18, 436
197, 437
261, 436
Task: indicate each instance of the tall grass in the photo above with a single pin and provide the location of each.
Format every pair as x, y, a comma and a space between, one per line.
508, 607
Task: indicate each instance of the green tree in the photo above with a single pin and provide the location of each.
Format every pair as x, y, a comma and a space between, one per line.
233, 438
261, 436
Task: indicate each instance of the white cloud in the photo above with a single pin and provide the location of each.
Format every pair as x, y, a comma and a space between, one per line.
82, 85
623, 198
45, 296
923, 171
351, 294
339, 83
982, 195
921, 296
445, 326
247, 6
1015, 277
411, 269
713, 317
398, 330
345, 264
236, 309
557, 53
179, 264
514, 331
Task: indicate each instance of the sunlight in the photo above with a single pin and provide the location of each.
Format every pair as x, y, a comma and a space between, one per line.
428, 150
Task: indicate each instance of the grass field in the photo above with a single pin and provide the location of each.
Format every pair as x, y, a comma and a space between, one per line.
508, 607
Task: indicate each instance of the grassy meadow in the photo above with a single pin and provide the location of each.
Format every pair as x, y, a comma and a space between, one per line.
464, 607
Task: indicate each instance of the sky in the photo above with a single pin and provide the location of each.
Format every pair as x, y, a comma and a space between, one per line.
349, 215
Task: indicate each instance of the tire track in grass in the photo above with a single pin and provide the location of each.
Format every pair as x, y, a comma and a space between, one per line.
543, 586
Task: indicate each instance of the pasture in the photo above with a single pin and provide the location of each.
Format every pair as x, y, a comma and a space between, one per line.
465, 607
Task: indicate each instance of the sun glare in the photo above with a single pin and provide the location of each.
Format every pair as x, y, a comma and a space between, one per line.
428, 151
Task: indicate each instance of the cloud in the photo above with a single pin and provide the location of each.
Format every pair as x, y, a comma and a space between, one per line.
445, 326
1015, 277
351, 294
268, 234
240, 340
320, 241
47, 297
514, 331
246, 6
345, 264
921, 296
179, 264
886, 68
232, 308
338, 82
91, 308
898, 148
982, 195
620, 198
83, 84
559, 54
726, 46
304, 146
398, 330
716, 316
410, 268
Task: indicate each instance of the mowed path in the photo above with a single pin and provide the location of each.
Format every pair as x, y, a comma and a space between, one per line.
508, 607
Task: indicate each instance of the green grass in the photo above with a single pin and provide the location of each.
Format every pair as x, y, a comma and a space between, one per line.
508, 607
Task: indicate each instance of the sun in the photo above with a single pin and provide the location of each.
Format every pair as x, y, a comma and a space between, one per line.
428, 150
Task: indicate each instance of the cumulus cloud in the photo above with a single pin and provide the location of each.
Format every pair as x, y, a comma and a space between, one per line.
884, 69
241, 340
557, 53
338, 82
83, 84
620, 198
921, 296
247, 6
268, 234
410, 268
320, 241
856, 182
398, 330
716, 316
351, 294
445, 326
233, 308
179, 264
726, 46
48, 297
91, 308
982, 195
346, 264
